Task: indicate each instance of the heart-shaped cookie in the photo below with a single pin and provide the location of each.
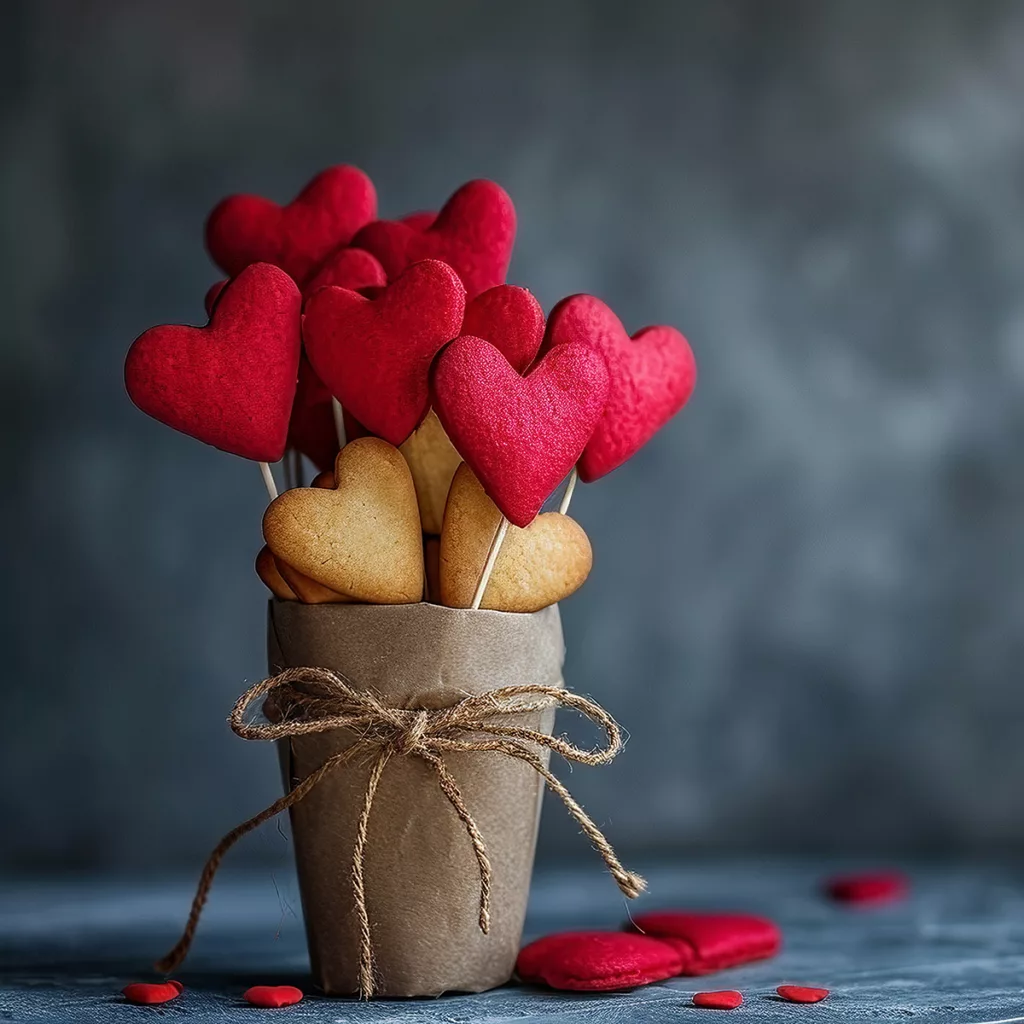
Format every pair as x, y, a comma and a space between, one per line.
709, 942
246, 229
374, 354
231, 383
419, 221
432, 460
362, 539
521, 435
355, 269
306, 589
270, 574
474, 233
651, 375
537, 566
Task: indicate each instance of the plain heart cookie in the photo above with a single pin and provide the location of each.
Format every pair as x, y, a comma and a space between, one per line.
270, 574
474, 233
521, 435
361, 539
306, 589
651, 377
536, 566
244, 229
432, 461
232, 382
374, 355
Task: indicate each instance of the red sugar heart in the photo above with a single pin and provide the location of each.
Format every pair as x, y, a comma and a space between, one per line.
652, 375
246, 229
273, 996
728, 999
150, 994
596, 961
520, 435
869, 887
511, 319
231, 383
374, 355
348, 268
801, 994
712, 942
474, 233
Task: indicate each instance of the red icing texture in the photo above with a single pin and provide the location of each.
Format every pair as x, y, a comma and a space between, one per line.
597, 961
231, 383
151, 994
727, 999
348, 268
712, 942
246, 229
869, 887
374, 354
802, 994
511, 319
652, 375
474, 233
520, 435
273, 996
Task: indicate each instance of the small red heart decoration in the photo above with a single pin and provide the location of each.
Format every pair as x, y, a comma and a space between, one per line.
151, 994
273, 996
520, 435
596, 961
869, 887
652, 374
712, 942
511, 319
728, 999
355, 269
246, 229
474, 233
231, 383
801, 994
374, 355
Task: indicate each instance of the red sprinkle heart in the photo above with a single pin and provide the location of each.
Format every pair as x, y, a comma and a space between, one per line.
873, 887
712, 942
596, 961
801, 994
348, 268
520, 435
246, 229
273, 996
374, 355
474, 233
149, 994
651, 374
511, 319
231, 383
728, 999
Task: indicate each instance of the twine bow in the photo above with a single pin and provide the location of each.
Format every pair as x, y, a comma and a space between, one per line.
316, 700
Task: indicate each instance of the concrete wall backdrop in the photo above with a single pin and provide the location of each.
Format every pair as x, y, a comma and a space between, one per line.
808, 598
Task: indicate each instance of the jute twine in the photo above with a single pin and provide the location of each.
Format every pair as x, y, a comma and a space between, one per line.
316, 700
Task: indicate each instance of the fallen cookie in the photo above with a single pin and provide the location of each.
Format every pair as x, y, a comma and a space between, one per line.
361, 539
537, 566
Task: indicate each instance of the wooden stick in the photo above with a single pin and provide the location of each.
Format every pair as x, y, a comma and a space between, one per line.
339, 422
268, 479
492, 557
569, 488
296, 467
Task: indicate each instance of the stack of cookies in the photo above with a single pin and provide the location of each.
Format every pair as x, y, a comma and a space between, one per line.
439, 407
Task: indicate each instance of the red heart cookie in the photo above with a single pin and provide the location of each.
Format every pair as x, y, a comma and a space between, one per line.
355, 269
511, 319
246, 229
152, 994
870, 887
212, 294
802, 994
374, 354
474, 233
727, 999
231, 383
712, 942
273, 996
652, 375
520, 435
419, 221
597, 961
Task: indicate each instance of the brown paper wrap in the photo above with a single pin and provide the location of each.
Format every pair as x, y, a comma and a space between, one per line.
421, 878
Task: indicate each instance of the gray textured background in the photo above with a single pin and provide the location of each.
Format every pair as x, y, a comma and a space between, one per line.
808, 595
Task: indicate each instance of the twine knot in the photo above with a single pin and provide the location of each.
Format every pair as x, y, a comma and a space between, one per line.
313, 700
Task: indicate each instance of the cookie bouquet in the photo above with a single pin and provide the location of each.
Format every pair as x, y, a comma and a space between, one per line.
414, 644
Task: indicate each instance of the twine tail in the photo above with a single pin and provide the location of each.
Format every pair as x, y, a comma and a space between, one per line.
366, 982
174, 958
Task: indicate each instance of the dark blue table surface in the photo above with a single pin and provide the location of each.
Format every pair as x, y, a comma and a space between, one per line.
953, 952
